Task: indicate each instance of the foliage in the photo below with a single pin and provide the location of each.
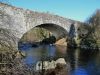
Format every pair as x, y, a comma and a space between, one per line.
11, 62
89, 31
36, 34
94, 22
72, 31
71, 40
49, 40
43, 33
88, 42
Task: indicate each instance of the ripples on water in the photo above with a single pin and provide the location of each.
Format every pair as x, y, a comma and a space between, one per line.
82, 62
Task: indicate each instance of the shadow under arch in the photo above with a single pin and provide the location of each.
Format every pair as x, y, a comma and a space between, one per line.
58, 31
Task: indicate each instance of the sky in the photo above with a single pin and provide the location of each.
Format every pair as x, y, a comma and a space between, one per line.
73, 9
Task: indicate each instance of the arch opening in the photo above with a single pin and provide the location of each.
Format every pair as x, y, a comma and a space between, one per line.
50, 29
58, 31
37, 51
30, 38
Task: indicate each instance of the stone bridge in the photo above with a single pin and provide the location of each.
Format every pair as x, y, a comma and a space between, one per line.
19, 21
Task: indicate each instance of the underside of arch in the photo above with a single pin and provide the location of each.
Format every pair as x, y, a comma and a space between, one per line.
58, 31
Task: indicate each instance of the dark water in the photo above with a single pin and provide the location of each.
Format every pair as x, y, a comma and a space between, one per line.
82, 62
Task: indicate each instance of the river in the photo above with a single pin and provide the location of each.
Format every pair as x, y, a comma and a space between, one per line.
82, 62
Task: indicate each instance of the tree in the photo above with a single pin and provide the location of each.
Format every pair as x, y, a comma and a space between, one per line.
71, 40
94, 22
92, 26
72, 31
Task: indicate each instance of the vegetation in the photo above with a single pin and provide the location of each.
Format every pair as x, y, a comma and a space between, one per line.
71, 39
37, 34
89, 31
49, 40
94, 23
11, 62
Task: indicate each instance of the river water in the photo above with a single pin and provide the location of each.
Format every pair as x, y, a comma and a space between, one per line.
82, 62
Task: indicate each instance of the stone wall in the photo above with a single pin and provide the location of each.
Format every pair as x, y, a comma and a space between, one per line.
20, 21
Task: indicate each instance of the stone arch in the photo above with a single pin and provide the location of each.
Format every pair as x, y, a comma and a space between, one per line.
19, 21
58, 31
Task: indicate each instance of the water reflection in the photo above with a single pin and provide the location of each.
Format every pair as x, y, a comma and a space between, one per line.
86, 62
82, 62
35, 54
80, 71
